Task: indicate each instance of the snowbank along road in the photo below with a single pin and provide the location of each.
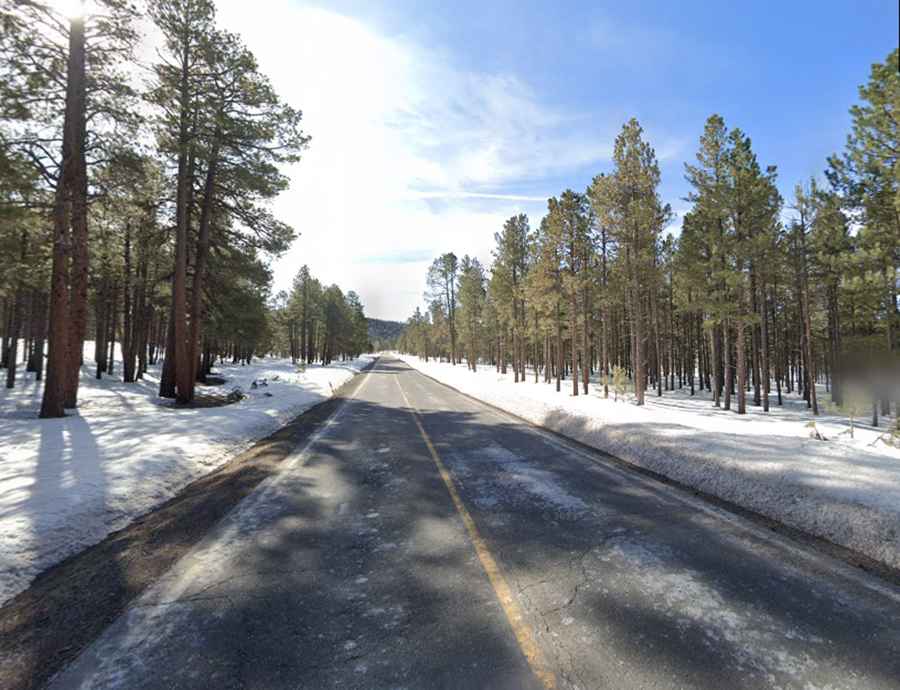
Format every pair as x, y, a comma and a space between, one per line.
422, 539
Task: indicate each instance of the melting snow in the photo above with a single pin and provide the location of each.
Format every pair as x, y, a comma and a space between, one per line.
846, 490
67, 483
759, 641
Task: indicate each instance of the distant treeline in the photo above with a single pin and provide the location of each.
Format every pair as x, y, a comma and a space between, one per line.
384, 334
756, 297
315, 323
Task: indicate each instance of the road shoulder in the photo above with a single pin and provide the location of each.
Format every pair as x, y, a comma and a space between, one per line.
855, 558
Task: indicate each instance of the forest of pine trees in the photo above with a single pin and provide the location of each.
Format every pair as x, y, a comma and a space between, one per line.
134, 202
316, 323
757, 297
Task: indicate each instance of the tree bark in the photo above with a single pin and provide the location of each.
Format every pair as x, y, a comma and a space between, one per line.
15, 327
80, 259
58, 359
741, 356
201, 257
764, 345
178, 339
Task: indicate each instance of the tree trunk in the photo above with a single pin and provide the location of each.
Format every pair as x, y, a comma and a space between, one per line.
741, 346
559, 349
764, 346
573, 337
15, 327
167, 376
726, 359
638, 327
128, 309
58, 359
113, 327
713, 369
755, 338
202, 252
586, 341
80, 260
177, 357
38, 333
809, 353
101, 309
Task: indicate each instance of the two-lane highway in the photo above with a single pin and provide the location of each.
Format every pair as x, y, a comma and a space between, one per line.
422, 539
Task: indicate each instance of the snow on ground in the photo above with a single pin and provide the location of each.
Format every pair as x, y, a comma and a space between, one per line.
495, 469
67, 483
845, 490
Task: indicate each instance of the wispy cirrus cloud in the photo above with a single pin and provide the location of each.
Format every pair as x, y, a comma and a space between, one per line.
399, 257
446, 194
410, 155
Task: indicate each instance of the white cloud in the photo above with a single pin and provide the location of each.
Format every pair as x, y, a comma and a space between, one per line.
395, 127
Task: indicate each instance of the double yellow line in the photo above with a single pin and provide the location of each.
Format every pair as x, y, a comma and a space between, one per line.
523, 633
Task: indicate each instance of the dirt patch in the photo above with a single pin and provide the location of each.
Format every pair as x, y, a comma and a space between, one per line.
45, 627
204, 399
214, 400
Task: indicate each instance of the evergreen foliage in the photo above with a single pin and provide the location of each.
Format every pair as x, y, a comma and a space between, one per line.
740, 302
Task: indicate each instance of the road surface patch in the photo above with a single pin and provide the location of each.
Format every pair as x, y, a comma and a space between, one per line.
523, 633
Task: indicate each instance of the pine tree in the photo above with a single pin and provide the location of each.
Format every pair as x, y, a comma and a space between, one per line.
471, 308
637, 216
507, 285
442, 287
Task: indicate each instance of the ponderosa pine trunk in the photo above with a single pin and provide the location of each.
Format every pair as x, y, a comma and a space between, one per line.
38, 333
559, 349
726, 361
713, 369
741, 356
586, 339
113, 327
167, 376
14, 328
177, 344
127, 312
657, 344
755, 338
764, 343
201, 258
807, 331
638, 327
54, 397
100, 327
573, 337
78, 277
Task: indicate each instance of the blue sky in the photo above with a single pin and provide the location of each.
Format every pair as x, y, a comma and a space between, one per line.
434, 121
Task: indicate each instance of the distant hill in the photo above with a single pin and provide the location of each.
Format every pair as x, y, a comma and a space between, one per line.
384, 332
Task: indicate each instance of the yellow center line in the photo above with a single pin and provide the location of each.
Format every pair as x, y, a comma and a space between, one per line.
514, 615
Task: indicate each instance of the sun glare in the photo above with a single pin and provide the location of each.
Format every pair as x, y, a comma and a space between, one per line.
71, 9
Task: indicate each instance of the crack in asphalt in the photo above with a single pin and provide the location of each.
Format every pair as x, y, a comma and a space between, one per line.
569, 669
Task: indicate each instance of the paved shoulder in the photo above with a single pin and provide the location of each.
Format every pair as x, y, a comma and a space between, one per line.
639, 584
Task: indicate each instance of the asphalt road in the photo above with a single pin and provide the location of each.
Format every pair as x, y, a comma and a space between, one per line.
424, 540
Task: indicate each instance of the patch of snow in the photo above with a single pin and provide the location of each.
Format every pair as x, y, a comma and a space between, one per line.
845, 490
67, 483
512, 474
760, 642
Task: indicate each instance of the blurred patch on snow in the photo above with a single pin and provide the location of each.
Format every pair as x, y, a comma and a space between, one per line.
845, 490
